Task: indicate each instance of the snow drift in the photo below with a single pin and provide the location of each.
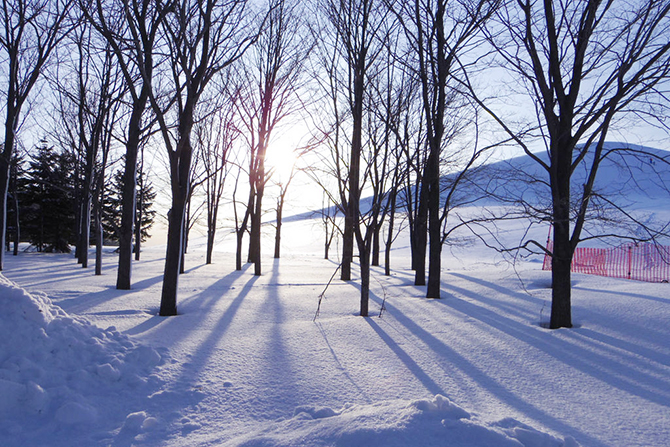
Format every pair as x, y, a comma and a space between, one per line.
64, 381
60, 374
423, 422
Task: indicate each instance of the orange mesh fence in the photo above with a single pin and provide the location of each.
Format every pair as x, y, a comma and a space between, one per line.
641, 262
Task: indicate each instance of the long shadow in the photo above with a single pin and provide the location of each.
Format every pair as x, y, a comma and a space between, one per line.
214, 292
79, 304
145, 325
627, 294
145, 283
275, 356
206, 348
83, 302
54, 274
520, 310
411, 365
471, 370
631, 331
193, 269
205, 299
617, 374
630, 348
497, 287
340, 366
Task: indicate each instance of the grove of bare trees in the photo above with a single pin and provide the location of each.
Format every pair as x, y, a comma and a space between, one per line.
399, 103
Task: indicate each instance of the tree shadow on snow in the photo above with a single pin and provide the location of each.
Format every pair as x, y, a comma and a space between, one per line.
454, 360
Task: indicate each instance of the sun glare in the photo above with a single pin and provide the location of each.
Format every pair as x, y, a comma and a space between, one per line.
280, 159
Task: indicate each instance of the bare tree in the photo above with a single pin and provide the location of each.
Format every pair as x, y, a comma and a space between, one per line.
106, 141
216, 137
31, 31
356, 139
241, 221
583, 66
356, 26
329, 219
145, 196
89, 89
283, 185
275, 68
392, 112
130, 27
203, 38
439, 31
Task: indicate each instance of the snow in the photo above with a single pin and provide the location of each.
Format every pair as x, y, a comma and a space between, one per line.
245, 364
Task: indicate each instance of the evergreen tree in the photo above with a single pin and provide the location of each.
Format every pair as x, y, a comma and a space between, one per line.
48, 217
111, 207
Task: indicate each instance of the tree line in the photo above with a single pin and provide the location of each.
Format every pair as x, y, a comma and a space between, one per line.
403, 102
44, 187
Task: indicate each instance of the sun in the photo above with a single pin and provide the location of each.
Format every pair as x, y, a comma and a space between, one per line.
280, 160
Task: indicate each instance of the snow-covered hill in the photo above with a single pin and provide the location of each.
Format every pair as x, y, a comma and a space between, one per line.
630, 175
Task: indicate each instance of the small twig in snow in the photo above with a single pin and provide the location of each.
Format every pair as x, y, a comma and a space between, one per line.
383, 308
323, 294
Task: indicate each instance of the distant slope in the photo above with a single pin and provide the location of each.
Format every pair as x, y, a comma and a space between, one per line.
624, 178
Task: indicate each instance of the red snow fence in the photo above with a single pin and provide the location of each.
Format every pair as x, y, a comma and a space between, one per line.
641, 262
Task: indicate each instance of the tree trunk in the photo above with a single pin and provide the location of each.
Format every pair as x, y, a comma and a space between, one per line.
78, 213
353, 209
364, 255
375, 243
561, 315
328, 240
434, 227
347, 245
173, 256
17, 224
85, 209
98, 239
128, 200
138, 221
5, 163
256, 223
85, 240
184, 236
389, 237
129, 191
238, 251
563, 251
180, 166
211, 231
420, 237
280, 207
243, 229
252, 241
259, 186
210, 245
4, 190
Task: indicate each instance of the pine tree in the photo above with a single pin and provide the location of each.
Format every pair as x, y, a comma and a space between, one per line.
48, 217
145, 214
111, 207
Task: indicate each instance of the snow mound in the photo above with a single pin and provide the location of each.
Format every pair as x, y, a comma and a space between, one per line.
425, 422
58, 370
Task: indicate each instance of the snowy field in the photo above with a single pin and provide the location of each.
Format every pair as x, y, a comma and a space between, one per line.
245, 364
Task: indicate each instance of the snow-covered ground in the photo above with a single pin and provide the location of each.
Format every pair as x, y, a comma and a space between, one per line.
245, 364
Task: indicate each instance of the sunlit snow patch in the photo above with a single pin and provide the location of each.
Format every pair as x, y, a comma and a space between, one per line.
424, 422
